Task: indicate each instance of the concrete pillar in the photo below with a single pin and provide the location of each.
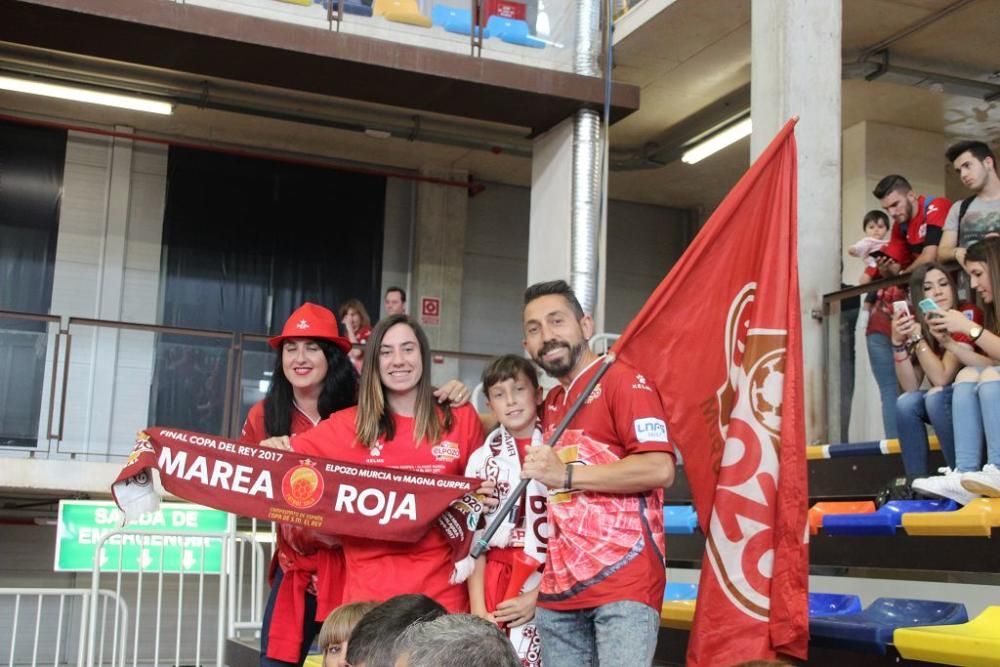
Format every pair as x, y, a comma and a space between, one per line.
795, 70
550, 231
438, 253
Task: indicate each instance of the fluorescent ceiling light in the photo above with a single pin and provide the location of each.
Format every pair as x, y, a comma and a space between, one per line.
75, 94
717, 142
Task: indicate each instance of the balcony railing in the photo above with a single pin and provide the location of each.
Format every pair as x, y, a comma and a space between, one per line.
537, 33
78, 388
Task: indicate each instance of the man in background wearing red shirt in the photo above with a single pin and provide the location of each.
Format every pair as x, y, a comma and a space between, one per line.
918, 222
602, 588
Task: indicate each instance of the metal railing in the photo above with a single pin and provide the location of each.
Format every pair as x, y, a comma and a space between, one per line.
551, 26
146, 640
80, 387
64, 614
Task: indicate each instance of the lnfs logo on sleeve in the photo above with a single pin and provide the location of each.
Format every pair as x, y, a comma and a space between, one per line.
650, 429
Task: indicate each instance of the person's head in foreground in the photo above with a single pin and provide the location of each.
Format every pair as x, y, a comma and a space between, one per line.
458, 640
982, 262
336, 631
373, 639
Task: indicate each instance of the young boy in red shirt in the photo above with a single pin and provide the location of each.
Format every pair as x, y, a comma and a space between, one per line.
510, 385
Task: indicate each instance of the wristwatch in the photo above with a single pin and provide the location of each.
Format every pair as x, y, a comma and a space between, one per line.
975, 332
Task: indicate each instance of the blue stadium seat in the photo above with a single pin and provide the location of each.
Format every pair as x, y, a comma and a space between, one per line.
357, 7
885, 520
833, 604
679, 519
512, 31
869, 631
453, 19
675, 591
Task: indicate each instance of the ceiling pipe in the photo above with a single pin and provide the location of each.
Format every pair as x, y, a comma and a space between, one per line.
910, 29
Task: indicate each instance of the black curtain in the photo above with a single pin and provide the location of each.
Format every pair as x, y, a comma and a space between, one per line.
31, 177
240, 233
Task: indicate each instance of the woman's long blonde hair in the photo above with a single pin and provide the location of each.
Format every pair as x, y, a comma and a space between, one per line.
374, 418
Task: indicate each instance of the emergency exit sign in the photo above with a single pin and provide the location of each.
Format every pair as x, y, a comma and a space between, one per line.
82, 524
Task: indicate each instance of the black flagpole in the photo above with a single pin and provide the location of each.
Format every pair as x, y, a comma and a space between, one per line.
480, 546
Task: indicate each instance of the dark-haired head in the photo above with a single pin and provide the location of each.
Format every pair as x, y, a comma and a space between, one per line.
508, 367
372, 642
892, 183
875, 216
558, 287
979, 150
925, 281
339, 389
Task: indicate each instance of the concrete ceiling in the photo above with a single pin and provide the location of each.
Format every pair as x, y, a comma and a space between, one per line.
686, 58
695, 51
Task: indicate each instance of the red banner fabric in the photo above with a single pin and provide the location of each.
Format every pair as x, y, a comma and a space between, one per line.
721, 335
328, 496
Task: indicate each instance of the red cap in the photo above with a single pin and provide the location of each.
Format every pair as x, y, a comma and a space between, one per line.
312, 321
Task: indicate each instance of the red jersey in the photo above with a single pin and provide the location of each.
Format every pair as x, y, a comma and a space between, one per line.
923, 229
378, 569
605, 547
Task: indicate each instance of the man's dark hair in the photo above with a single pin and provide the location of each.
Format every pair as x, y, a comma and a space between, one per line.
402, 292
506, 367
560, 287
892, 183
979, 150
458, 640
872, 216
374, 637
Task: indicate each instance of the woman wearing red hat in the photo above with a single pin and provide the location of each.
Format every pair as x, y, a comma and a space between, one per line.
312, 378
398, 424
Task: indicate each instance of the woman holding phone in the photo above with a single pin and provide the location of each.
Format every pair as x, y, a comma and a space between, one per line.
976, 398
920, 353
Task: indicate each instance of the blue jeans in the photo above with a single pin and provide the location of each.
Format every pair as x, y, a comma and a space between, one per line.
976, 409
310, 628
914, 409
619, 634
884, 370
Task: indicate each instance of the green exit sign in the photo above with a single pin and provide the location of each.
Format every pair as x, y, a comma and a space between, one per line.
82, 524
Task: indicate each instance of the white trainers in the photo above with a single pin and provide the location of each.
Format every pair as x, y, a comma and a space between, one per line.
947, 485
985, 483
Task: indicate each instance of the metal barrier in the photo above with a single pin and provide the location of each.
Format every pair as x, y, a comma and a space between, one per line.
146, 641
68, 605
247, 596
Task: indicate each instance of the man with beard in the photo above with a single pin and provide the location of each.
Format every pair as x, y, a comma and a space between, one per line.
602, 588
918, 222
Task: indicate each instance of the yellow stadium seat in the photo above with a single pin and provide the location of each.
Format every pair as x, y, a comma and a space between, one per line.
972, 644
677, 614
304, 3
314, 660
977, 519
401, 11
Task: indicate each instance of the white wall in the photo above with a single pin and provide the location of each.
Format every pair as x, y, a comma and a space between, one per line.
397, 237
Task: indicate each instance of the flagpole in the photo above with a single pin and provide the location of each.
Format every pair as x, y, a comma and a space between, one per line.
505, 510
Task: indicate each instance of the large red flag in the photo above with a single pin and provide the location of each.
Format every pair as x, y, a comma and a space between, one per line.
722, 337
